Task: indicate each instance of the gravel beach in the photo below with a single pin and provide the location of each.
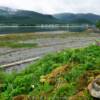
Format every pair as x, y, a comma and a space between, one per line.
45, 46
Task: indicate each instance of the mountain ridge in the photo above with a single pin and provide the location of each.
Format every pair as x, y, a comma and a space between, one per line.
26, 17
23, 17
78, 18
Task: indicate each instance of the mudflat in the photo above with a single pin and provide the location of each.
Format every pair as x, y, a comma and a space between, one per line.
46, 43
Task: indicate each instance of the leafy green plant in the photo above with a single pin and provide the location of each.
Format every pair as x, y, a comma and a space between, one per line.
80, 61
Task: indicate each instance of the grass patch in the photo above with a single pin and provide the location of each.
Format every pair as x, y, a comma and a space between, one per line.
13, 40
27, 36
65, 84
16, 44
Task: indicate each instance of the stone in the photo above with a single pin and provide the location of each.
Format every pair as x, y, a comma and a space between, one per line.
94, 87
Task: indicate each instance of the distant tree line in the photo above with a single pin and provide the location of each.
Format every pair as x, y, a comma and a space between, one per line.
98, 24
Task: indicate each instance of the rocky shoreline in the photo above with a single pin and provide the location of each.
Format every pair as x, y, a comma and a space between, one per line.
45, 46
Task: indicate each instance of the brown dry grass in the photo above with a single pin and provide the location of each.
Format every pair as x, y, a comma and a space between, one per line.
51, 77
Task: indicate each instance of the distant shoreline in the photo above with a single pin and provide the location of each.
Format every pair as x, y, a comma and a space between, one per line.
29, 29
42, 26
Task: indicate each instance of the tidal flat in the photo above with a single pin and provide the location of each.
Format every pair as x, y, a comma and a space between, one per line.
17, 47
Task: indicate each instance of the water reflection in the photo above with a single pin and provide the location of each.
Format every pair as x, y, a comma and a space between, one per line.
21, 29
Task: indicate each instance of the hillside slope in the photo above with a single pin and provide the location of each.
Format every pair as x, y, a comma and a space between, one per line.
64, 75
78, 18
23, 17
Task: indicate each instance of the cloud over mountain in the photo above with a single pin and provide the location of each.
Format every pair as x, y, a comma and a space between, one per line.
55, 6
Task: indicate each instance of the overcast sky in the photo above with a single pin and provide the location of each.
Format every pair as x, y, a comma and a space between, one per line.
55, 6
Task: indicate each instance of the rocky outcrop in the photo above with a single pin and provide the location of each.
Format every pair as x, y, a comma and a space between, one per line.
94, 87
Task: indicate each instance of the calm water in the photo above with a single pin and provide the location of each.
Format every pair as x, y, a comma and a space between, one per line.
7, 30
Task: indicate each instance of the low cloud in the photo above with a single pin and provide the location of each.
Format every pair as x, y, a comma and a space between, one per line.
55, 6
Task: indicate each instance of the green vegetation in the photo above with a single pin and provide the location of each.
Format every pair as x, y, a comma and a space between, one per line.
20, 40
27, 18
98, 24
16, 41
24, 17
78, 18
28, 36
12, 44
61, 75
